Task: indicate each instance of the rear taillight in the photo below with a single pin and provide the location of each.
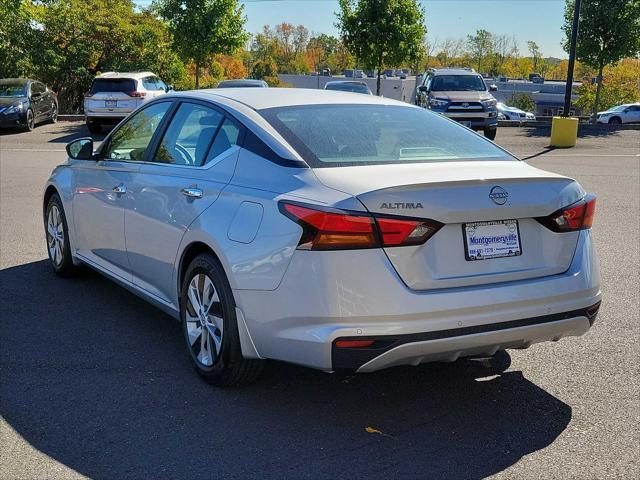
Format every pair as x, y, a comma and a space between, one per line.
137, 94
577, 216
340, 230
88, 95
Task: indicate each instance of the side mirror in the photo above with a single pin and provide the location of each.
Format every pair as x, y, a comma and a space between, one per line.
626, 110
493, 88
423, 89
169, 88
80, 149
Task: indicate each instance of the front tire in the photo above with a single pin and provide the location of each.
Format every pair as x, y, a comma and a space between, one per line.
57, 235
490, 133
615, 120
54, 114
210, 328
29, 121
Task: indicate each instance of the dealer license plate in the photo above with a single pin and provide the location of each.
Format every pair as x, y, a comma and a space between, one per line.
495, 239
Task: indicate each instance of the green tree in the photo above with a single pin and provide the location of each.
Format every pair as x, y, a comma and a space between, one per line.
16, 38
609, 31
203, 28
523, 102
480, 47
382, 33
536, 55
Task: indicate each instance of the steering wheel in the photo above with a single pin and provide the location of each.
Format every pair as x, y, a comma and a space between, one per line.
186, 157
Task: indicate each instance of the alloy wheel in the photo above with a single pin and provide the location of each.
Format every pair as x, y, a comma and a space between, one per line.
204, 320
30, 120
55, 235
54, 114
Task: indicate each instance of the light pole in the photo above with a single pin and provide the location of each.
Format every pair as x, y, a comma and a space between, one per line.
572, 59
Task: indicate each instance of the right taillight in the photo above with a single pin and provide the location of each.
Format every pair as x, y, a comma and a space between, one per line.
327, 229
577, 216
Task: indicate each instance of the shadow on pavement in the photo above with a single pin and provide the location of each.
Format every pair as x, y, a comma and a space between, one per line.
70, 131
98, 380
584, 131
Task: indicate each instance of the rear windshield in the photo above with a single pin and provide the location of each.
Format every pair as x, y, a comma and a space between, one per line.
113, 85
348, 87
457, 83
347, 135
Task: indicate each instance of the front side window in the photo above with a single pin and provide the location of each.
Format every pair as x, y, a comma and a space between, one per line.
37, 87
131, 140
337, 135
458, 83
189, 135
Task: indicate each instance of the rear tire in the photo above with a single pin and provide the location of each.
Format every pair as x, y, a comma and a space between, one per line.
490, 133
94, 127
57, 235
210, 328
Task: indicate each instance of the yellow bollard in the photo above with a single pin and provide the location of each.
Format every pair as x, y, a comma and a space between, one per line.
564, 132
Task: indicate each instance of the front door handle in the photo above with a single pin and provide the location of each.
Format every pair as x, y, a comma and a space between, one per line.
192, 192
120, 189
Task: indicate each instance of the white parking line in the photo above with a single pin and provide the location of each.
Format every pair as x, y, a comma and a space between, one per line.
31, 150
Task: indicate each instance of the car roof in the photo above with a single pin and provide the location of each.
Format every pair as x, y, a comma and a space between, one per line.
348, 82
258, 98
16, 81
126, 75
243, 81
454, 71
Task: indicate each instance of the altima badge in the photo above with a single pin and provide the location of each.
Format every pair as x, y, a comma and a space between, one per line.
499, 195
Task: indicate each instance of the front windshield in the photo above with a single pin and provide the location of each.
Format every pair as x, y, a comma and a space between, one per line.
337, 135
12, 90
619, 108
458, 83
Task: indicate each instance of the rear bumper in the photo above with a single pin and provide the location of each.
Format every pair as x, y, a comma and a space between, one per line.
325, 296
449, 345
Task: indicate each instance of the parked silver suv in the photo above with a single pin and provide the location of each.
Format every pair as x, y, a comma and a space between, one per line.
460, 94
115, 95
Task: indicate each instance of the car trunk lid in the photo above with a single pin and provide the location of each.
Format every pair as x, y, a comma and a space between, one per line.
458, 195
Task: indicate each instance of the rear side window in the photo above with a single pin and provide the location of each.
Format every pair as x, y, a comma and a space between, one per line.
345, 135
189, 135
100, 85
225, 139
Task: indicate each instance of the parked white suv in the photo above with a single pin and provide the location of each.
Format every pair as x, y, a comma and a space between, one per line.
115, 95
628, 113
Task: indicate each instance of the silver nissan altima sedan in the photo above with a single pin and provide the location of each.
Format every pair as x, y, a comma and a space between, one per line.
328, 229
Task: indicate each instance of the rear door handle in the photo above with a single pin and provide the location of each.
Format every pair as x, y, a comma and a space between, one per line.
192, 192
120, 189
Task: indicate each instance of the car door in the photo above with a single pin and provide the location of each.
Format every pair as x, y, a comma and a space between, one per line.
101, 191
191, 163
39, 103
634, 114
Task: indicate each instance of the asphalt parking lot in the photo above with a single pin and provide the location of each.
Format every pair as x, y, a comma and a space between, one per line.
94, 382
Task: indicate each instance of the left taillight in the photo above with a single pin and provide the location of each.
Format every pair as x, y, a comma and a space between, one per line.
577, 216
324, 229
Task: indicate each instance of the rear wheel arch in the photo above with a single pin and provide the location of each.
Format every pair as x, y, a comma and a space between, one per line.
190, 252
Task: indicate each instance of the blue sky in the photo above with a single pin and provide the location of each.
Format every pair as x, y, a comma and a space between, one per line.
537, 20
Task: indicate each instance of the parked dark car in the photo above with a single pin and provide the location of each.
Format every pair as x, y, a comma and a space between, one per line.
25, 102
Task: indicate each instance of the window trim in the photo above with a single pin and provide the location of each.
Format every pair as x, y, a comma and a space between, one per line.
156, 144
100, 154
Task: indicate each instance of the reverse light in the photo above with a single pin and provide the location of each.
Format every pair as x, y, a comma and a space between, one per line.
577, 216
341, 230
